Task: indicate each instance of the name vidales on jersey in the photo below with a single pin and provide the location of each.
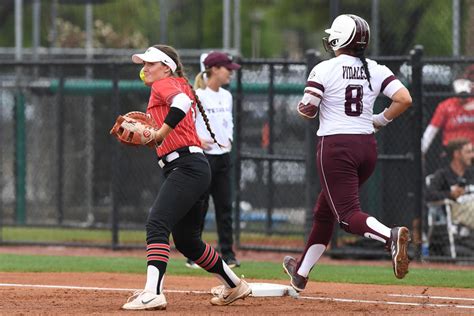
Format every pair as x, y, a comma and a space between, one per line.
339, 89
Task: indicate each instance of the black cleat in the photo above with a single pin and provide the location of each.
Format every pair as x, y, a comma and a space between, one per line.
297, 281
232, 262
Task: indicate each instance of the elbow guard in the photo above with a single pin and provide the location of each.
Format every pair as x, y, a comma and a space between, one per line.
174, 116
309, 104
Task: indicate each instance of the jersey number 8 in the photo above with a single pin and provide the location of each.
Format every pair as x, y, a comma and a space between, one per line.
353, 105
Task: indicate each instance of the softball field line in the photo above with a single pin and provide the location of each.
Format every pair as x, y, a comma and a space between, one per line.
332, 299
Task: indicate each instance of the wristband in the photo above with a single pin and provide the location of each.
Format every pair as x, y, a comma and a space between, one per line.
380, 119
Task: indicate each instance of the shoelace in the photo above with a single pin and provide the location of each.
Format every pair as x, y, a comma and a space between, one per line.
135, 294
221, 291
226, 292
388, 245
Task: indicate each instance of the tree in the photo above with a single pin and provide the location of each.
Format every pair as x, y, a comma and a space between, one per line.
287, 27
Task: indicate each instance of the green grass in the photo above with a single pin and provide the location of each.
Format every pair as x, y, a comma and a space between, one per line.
48, 234
104, 236
250, 269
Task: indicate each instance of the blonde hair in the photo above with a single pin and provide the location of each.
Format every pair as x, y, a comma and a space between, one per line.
199, 82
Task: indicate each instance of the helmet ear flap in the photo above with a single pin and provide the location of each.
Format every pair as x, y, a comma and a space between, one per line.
326, 45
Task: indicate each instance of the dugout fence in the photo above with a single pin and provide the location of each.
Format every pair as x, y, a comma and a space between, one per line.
65, 181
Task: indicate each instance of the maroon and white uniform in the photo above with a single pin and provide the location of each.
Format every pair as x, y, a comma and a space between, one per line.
347, 149
343, 91
347, 102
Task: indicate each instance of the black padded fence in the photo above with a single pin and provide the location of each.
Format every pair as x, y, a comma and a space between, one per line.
65, 181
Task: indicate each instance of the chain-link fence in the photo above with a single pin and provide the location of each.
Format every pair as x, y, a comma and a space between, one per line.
448, 116
66, 181
270, 155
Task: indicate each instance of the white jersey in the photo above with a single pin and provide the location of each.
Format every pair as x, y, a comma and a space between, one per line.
347, 101
218, 107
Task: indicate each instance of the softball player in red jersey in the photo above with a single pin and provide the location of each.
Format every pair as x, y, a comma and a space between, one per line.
178, 207
343, 90
455, 116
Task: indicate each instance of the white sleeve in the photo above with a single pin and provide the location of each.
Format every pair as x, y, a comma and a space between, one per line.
428, 137
230, 127
201, 128
390, 84
314, 83
182, 102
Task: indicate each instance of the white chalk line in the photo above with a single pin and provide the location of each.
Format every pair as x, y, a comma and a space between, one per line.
91, 288
345, 300
433, 297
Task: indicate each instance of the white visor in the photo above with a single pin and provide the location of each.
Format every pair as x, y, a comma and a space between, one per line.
462, 85
154, 55
201, 61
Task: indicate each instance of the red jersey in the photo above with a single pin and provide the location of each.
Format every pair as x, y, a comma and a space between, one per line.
454, 119
184, 134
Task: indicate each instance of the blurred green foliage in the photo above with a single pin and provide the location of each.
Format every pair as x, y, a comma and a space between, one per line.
287, 27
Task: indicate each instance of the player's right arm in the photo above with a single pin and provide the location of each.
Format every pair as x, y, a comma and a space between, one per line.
437, 122
308, 107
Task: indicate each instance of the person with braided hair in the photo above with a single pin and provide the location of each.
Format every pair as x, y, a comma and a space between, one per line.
178, 208
216, 71
343, 90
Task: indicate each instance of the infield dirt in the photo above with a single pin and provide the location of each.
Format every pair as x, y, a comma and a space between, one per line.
318, 298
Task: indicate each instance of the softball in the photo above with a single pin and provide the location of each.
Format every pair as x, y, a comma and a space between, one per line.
142, 75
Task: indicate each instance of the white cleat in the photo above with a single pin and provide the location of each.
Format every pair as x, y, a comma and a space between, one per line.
216, 290
229, 295
144, 300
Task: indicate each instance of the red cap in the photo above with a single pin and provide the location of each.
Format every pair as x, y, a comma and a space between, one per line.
217, 59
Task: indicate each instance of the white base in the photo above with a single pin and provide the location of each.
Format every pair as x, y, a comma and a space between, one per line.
263, 290
270, 289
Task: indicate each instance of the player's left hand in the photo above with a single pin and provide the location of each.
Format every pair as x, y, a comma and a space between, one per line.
136, 128
379, 121
206, 144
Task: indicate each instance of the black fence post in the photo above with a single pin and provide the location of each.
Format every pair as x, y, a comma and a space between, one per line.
115, 217
237, 155
1, 172
60, 147
20, 157
271, 116
312, 182
417, 95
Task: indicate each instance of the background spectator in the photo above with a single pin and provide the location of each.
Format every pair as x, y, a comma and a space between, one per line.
455, 115
456, 181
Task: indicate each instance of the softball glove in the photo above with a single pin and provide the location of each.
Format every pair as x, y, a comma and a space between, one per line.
135, 128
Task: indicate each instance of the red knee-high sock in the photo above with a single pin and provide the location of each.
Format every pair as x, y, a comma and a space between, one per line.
212, 262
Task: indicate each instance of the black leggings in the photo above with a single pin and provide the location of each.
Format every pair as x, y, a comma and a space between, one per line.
178, 209
220, 190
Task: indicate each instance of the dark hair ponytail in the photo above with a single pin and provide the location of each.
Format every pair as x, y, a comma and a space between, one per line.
360, 54
170, 51
204, 115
